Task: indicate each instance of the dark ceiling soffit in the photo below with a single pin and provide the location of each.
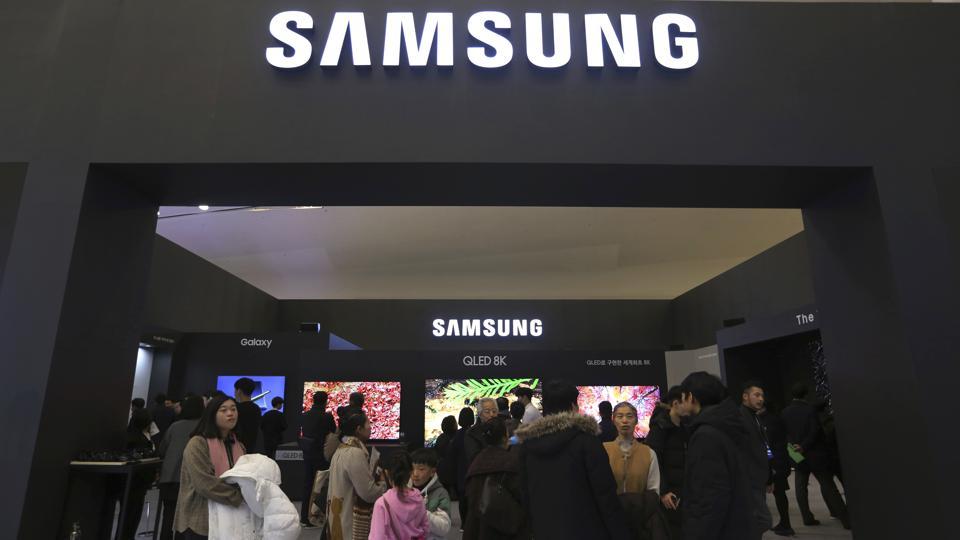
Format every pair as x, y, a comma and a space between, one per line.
482, 184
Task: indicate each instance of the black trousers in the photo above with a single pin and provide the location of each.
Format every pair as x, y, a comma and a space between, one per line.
783, 506
169, 493
190, 535
828, 489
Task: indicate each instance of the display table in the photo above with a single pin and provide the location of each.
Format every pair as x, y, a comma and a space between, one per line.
112, 468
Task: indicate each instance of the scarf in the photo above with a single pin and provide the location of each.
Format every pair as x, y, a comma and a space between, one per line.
218, 453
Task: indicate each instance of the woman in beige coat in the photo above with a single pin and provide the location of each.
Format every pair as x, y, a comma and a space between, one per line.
352, 483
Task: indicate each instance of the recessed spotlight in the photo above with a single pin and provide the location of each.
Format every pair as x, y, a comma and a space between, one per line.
204, 207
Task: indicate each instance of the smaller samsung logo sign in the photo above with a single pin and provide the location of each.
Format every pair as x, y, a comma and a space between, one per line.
675, 44
487, 327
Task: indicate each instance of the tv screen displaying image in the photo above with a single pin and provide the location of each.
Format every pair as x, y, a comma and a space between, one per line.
381, 403
264, 390
644, 398
445, 397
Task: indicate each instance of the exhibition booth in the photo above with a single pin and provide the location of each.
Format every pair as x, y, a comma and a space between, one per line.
113, 109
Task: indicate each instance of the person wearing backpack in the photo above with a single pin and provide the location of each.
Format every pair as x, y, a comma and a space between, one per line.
317, 425
400, 513
495, 490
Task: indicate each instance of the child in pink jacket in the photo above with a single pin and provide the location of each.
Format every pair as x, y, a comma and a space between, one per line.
400, 513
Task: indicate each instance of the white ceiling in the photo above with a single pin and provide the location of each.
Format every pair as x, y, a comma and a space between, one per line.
476, 252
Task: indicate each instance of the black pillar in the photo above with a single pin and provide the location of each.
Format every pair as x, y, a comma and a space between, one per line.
869, 242
71, 303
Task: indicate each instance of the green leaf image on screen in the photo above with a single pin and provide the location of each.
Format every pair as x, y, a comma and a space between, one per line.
474, 389
445, 397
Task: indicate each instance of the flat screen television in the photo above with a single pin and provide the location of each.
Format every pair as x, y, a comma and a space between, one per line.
381, 402
644, 398
445, 397
266, 387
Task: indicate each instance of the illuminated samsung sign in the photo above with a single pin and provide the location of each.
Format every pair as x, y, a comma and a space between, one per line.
675, 44
487, 328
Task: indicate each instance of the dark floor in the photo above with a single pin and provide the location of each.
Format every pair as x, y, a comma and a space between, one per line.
829, 529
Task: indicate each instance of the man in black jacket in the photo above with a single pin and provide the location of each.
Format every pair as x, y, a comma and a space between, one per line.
608, 431
668, 438
752, 399
273, 424
806, 435
570, 488
317, 424
716, 490
248, 414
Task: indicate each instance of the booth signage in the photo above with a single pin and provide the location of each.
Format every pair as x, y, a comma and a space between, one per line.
487, 327
675, 45
245, 342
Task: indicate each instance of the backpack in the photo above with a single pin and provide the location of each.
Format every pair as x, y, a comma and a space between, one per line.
498, 507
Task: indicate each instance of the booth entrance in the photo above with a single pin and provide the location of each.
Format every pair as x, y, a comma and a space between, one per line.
846, 234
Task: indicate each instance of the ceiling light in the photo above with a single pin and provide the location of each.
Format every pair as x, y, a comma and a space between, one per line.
259, 209
204, 207
306, 207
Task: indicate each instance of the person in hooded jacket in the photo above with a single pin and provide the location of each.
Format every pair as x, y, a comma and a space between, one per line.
668, 438
496, 469
435, 496
716, 503
400, 513
569, 485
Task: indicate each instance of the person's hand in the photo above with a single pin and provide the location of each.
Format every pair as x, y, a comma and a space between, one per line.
798, 448
670, 501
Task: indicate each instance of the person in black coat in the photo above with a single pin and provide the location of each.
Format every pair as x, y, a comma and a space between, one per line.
458, 452
805, 434
716, 503
505, 518
570, 488
780, 465
443, 446
273, 424
752, 400
668, 438
317, 424
608, 431
248, 414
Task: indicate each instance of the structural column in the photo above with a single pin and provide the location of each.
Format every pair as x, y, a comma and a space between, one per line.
70, 303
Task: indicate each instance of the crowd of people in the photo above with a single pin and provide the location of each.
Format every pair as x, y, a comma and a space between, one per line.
515, 472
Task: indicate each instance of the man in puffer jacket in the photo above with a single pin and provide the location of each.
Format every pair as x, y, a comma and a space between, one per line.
435, 496
570, 488
267, 513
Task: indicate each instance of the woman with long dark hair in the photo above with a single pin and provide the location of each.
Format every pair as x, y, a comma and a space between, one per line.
353, 490
211, 451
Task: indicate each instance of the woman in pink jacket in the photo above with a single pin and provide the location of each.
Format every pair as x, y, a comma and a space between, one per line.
400, 513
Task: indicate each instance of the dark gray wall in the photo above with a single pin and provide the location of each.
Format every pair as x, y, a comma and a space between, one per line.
189, 294
774, 281
568, 324
182, 82
11, 185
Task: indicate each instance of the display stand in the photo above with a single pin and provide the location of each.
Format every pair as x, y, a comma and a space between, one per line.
111, 468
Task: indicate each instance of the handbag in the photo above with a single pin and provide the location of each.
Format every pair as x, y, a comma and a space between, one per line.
330, 445
318, 499
362, 515
499, 509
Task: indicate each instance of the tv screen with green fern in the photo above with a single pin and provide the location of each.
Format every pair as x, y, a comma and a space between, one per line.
445, 397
